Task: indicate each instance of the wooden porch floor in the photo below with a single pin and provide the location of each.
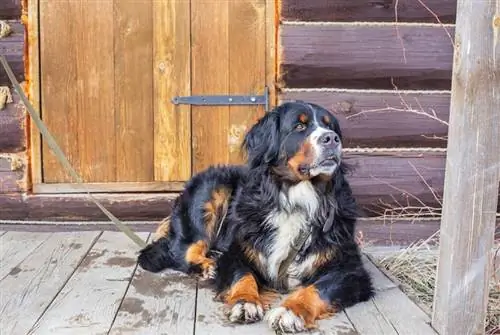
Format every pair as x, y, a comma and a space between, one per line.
89, 283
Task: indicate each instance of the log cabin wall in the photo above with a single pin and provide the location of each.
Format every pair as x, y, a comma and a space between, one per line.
389, 88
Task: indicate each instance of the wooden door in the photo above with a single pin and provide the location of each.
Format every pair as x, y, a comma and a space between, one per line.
108, 72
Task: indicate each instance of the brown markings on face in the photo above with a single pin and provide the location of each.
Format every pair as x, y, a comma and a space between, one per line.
196, 254
303, 118
215, 209
245, 289
163, 229
326, 119
305, 156
306, 303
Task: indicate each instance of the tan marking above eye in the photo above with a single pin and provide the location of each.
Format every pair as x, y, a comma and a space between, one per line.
303, 118
326, 119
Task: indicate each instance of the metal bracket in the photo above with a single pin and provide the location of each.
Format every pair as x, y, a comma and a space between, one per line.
220, 100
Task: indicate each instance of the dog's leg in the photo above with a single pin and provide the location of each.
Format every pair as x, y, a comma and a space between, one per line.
339, 286
196, 256
244, 300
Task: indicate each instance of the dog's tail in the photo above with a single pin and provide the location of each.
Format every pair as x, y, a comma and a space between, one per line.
156, 256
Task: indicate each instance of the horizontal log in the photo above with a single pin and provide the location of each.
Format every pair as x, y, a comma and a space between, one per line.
12, 174
384, 119
397, 183
364, 56
12, 207
13, 126
12, 47
369, 10
10, 9
372, 232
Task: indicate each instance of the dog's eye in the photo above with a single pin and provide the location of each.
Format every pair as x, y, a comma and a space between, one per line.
300, 127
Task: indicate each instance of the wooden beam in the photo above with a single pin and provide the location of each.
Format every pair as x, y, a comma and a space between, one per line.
472, 173
374, 56
13, 126
384, 119
10, 9
12, 48
367, 11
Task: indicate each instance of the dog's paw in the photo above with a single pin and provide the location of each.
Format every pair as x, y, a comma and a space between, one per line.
246, 312
208, 270
284, 320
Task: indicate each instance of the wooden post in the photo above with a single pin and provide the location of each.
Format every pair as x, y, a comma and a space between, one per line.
472, 172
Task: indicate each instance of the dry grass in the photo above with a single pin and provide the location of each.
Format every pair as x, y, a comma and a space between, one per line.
416, 266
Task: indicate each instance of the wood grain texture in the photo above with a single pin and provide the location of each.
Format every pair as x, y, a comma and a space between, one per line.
133, 90
118, 187
12, 48
272, 28
384, 119
172, 77
366, 56
403, 314
157, 302
10, 9
210, 75
13, 126
16, 246
396, 180
13, 206
472, 173
369, 10
212, 320
12, 174
31, 285
91, 297
32, 70
368, 320
78, 102
247, 67
78, 207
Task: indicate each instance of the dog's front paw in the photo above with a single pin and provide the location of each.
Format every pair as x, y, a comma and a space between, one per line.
246, 312
285, 320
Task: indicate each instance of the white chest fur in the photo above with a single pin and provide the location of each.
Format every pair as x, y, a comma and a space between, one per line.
298, 205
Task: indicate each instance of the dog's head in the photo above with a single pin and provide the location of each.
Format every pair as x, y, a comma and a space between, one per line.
296, 140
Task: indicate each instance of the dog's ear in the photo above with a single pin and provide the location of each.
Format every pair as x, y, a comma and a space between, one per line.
261, 143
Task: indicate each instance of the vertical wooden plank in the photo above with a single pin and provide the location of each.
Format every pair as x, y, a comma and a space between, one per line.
133, 89
172, 77
78, 87
157, 302
272, 36
472, 173
30, 18
247, 67
210, 75
91, 297
58, 86
30, 287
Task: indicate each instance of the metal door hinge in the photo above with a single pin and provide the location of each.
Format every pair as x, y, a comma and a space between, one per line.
220, 100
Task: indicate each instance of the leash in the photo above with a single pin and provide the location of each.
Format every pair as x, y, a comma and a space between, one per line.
62, 158
295, 248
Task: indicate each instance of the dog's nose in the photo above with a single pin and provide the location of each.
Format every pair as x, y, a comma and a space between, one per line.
329, 138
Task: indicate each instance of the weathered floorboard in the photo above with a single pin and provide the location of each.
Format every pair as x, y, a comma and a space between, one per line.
155, 303
380, 280
369, 10
16, 246
211, 318
384, 119
92, 295
367, 319
403, 314
30, 287
12, 48
366, 56
12, 126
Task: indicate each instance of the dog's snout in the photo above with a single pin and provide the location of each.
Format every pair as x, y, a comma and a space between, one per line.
329, 138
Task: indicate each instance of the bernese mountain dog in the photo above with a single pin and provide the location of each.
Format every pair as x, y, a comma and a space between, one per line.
285, 221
